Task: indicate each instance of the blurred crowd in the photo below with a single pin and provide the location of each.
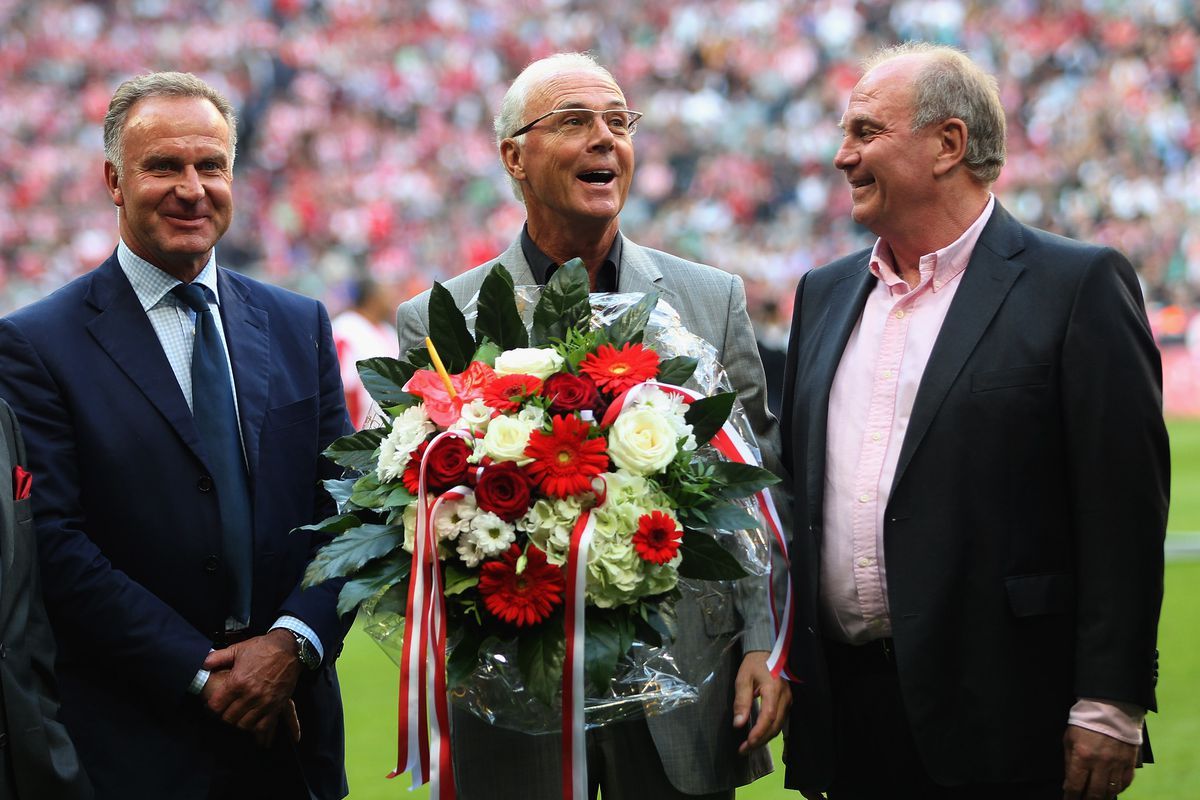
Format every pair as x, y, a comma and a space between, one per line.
366, 141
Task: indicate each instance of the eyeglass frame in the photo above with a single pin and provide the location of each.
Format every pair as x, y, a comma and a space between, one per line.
637, 115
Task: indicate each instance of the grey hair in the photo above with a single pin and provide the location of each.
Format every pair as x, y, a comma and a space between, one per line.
949, 86
159, 84
512, 108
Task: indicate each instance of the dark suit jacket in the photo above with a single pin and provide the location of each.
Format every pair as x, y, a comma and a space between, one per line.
37, 759
129, 530
1023, 535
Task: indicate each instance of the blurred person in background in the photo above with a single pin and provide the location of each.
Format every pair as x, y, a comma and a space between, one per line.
175, 413
973, 422
37, 759
364, 331
565, 137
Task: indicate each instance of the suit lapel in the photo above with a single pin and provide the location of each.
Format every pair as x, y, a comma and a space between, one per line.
842, 312
639, 272
987, 280
123, 330
514, 261
7, 513
247, 335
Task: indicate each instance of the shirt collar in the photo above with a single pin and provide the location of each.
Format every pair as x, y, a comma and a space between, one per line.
543, 266
151, 284
943, 265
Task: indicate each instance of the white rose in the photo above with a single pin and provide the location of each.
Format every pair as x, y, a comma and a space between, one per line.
540, 362
475, 416
673, 409
506, 439
642, 441
408, 431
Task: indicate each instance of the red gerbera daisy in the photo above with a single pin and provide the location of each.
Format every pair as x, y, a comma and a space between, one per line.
657, 537
507, 391
614, 370
565, 460
521, 598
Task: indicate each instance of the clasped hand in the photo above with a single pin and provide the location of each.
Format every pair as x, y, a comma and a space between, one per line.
251, 683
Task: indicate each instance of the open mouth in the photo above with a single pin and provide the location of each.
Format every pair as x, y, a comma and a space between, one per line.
600, 177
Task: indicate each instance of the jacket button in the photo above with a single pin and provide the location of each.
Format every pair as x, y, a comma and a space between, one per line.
205, 484
210, 564
3, 652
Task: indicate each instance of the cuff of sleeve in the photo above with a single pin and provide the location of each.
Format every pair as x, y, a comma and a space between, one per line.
197, 684
296, 625
1121, 721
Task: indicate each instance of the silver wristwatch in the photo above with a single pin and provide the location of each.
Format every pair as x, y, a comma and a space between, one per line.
306, 653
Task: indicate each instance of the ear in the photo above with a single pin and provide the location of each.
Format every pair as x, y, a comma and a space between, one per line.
952, 145
112, 181
510, 156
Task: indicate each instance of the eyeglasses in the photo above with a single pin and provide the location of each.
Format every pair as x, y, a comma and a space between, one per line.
573, 121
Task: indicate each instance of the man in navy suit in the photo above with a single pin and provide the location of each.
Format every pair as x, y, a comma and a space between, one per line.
973, 421
191, 664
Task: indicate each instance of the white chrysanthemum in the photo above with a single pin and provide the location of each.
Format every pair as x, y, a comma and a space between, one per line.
490, 534
507, 437
539, 362
408, 431
642, 441
468, 551
533, 415
454, 517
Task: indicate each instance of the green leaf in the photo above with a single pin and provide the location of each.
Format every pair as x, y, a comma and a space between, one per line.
631, 325
448, 329
540, 654
724, 516
499, 319
368, 492
458, 580
677, 370
609, 636
356, 451
372, 579
563, 304
741, 480
486, 353
464, 657
704, 559
383, 378
349, 551
333, 525
648, 626
394, 600
708, 414
340, 490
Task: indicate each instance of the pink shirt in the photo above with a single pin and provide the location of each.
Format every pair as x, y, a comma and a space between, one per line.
870, 404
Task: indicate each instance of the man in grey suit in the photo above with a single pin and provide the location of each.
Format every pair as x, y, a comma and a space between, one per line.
37, 759
565, 138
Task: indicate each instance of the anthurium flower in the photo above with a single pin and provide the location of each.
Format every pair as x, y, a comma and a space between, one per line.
443, 409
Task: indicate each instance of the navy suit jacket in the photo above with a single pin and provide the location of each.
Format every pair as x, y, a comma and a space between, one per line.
128, 525
1023, 534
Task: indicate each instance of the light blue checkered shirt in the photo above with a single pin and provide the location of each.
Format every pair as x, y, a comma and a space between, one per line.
175, 325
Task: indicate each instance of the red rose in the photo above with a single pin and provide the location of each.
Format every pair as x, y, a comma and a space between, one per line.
503, 489
569, 393
447, 466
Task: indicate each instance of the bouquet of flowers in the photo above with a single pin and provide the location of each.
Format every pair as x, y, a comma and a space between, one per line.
535, 496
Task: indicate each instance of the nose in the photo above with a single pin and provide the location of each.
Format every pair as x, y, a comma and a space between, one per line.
189, 187
599, 134
846, 155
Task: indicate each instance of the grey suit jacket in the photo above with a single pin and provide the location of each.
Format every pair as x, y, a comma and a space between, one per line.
697, 743
37, 759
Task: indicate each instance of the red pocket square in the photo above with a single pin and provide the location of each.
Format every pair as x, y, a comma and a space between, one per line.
22, 482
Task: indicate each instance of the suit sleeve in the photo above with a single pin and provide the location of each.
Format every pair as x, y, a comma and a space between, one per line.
1119, 482
410, 329
317, 606
127, 627
744, 368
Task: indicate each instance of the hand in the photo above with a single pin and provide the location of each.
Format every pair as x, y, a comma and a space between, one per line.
1098, 767
755, 680
252, 683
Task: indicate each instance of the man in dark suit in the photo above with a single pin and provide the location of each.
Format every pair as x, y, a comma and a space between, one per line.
175, 414
37, 759
973, 423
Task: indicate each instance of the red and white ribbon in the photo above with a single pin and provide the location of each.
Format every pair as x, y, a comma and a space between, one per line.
574, 749
734, 447
424, 652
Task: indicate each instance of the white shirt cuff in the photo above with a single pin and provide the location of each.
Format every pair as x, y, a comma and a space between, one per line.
296, 625
1121, 721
